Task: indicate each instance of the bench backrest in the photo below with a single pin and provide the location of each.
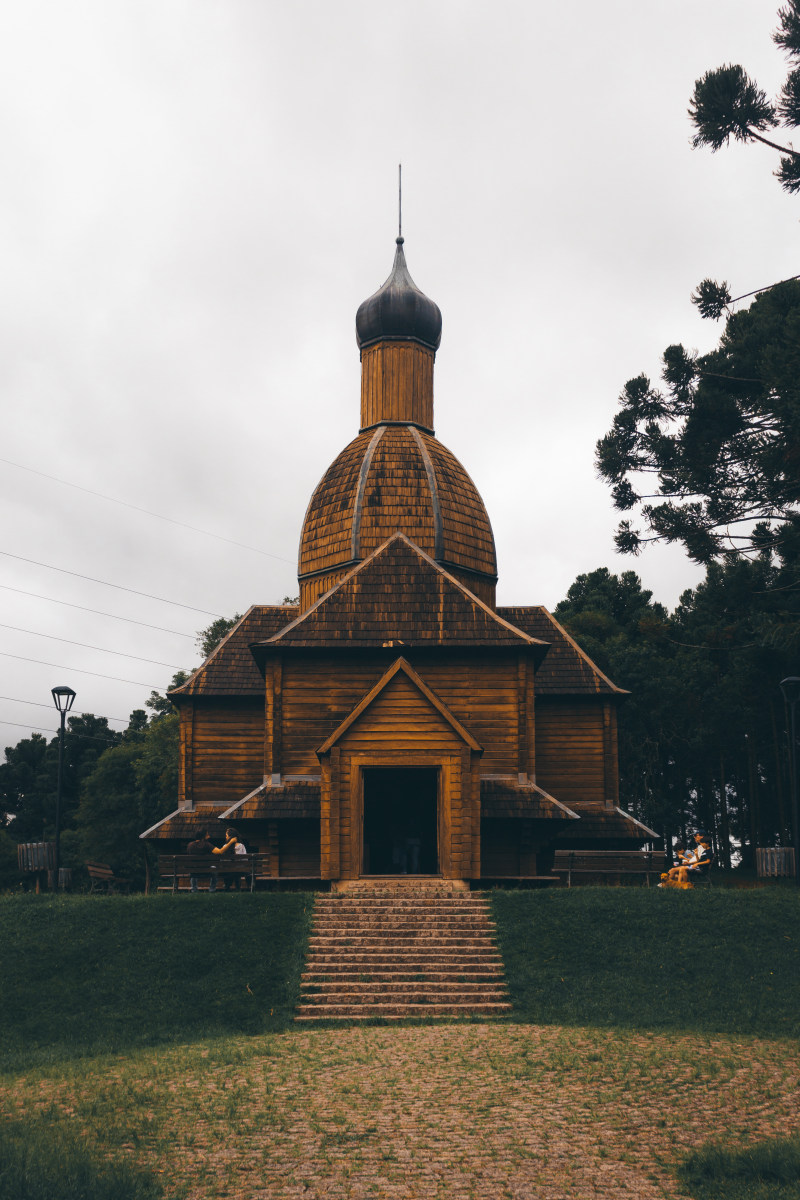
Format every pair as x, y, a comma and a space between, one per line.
191, 864
99, 870
610, 860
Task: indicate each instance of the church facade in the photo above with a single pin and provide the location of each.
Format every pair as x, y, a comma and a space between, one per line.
398, 721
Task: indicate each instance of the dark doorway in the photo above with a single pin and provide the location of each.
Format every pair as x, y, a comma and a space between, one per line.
400, 820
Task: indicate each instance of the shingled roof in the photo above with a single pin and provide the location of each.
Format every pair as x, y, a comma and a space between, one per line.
400, 596
276, 801
502, 798
566, 670
185, 824
230, 670
599, 821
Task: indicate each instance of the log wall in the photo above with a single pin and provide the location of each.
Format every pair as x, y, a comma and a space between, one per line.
400, 728
317, 693
222, 750
397, 384
571, 738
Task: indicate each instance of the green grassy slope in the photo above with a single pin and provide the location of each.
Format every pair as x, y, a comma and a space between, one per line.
87, 974
713, 960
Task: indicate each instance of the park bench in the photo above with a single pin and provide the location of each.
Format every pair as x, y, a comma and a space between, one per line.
103, 879
610, 864
174, 870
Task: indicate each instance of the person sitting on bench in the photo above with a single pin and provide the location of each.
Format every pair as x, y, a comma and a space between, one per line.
203, 845
234, 882
695, 864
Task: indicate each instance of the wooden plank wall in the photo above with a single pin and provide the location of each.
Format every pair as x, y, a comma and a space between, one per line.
227, 749
318, 693
401, 728
509, 848
570, 742
397, 384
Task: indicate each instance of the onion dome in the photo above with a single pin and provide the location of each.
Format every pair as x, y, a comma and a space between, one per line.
396, 477
399, 311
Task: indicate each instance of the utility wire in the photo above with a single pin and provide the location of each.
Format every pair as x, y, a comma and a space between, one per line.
80, 670
118, 586
52, 600
75, 712
146, 511
91, 736
85, 646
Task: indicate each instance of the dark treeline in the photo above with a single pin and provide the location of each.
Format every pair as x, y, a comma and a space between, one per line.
703, 734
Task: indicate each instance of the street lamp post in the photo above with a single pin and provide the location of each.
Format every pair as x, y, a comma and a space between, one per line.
791, 694
63, 698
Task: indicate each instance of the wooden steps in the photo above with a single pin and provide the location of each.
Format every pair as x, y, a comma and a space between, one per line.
395, 952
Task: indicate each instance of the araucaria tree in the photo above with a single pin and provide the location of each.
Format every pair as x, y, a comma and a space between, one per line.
728, 104
712, 459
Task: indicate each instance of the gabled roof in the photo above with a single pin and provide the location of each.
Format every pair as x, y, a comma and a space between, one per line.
400, 596
567, 670
231, 669
401, 666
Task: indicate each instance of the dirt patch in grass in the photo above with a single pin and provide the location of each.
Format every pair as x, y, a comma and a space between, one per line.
492, 1111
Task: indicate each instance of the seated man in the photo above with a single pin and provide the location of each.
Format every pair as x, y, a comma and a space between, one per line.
201, 846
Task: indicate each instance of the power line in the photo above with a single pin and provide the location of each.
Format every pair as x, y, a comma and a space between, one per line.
148, 512
79, 670
97, 612
76, 712
91, 736
105, 583
85, 646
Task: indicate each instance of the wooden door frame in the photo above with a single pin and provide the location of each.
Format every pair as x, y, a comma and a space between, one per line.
443, 763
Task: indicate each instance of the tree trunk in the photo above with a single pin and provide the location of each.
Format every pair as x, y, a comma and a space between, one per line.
752, 775
724, 824
776, 741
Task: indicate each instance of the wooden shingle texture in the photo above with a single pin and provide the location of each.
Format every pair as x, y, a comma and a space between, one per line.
396, 477
502, 798
294, 799
400, 596
566, 670
231, 670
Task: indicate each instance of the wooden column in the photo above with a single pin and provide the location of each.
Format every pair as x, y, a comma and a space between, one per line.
273, 718
186, 762
610, 754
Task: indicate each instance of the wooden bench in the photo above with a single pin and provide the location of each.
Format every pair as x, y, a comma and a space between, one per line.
103, 879
610, 863
174, 870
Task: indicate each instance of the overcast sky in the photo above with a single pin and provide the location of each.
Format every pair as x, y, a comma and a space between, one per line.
196, 196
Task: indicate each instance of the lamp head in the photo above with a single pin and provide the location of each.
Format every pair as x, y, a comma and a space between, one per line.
791, 689
63, 698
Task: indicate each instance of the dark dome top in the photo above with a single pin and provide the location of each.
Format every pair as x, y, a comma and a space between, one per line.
399, 311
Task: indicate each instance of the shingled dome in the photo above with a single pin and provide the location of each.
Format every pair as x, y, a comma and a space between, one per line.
399, 311
397, 477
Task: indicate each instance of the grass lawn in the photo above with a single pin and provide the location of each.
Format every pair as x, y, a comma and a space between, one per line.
713, 960
87, 974
149, 1052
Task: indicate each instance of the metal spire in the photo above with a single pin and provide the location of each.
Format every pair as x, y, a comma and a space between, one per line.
399, 202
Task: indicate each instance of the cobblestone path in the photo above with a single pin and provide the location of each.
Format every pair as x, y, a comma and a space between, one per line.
465, 1112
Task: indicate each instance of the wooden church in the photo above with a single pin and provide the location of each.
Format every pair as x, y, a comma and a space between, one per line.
398, 722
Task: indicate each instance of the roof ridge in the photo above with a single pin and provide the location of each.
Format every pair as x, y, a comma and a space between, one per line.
399, 536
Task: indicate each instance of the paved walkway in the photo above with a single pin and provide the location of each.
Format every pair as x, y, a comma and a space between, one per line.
468, 1112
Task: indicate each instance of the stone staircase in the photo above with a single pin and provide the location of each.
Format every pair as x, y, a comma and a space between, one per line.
402, 950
